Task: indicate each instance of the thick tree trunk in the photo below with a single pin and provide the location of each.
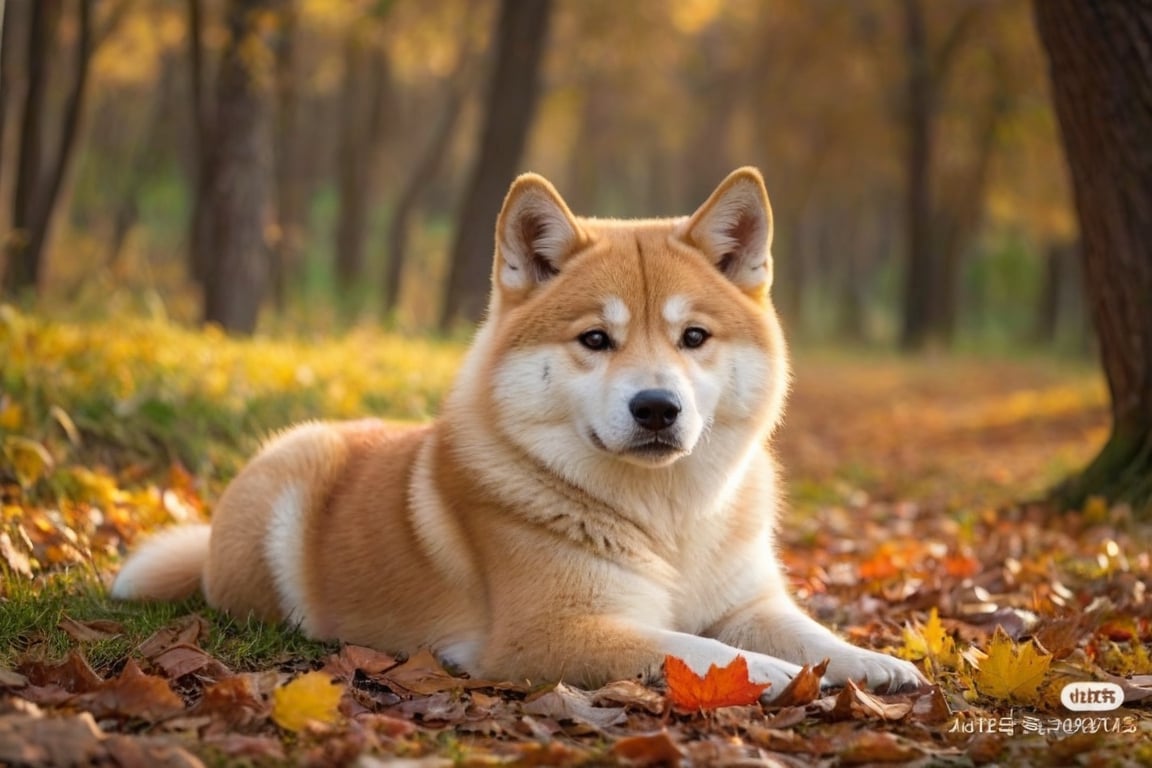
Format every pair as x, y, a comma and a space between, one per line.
921, 269
1100, 62
237, 275
522, 28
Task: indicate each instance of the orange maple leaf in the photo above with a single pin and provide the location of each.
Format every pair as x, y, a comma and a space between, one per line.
721, 687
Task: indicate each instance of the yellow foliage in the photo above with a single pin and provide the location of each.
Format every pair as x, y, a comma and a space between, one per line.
931, 641
28, 459
1011, 671
311, 698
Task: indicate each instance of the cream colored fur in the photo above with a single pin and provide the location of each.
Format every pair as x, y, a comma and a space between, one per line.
541, 529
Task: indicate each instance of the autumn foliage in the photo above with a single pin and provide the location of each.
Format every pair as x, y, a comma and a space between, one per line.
902, 534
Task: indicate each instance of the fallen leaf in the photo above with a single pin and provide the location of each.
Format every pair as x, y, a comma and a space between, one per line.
39, 740
28, 459
150, 751
854, 703
184, 659
89, 631
804, 688
73, 675
630, 693
424, 674
720, 687
878, 747
310, 698
132, 694
657, 748
1012, 671
356, 657
566, 703
18, 561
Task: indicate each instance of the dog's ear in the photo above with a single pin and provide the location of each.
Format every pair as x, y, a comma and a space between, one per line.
733, 229
535, 235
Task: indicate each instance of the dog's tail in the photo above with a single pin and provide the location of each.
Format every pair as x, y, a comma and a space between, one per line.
167, 567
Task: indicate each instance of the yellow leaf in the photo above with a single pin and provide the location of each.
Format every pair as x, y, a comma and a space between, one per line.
931, 641
11, 415
30, 461
1011, 671
310, 698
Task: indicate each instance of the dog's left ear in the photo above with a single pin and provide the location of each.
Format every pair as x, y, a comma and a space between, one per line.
733, 229
535, 235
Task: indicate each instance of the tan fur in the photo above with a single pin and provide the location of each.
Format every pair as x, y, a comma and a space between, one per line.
520, 541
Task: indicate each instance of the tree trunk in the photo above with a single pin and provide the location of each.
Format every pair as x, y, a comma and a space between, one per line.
291, 198
7, 37
522, 28
426, 167
1100, 62
237, 276
203, 152
367, 82
920, 277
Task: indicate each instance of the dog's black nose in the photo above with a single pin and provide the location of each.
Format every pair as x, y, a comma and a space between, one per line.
655, 409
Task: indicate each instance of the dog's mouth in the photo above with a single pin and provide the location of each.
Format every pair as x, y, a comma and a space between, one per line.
651, 450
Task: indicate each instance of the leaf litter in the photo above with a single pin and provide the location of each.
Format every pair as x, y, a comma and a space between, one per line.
904, 536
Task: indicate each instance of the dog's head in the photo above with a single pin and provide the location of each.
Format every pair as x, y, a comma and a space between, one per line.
633, 341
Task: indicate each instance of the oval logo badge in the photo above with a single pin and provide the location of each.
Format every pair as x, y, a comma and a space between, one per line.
1091, 697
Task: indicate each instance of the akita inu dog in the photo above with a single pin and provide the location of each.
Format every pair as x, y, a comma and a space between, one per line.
597, 492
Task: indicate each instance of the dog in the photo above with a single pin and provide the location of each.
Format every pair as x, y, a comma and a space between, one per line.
597, 492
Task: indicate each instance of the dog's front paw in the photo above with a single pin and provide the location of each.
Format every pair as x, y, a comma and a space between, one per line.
878, 671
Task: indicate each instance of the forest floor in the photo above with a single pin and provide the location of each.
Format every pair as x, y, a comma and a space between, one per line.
905, 531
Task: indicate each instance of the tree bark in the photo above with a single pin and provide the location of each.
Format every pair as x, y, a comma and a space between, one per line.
237, 277
920, 277
38, 187
1100, 62
522, 27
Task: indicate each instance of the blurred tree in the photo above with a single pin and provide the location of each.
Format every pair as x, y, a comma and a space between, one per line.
456, 86
291, 202
522, 28
237, 274
203, 161
40, 176
930, 273
368, 95
1100, 62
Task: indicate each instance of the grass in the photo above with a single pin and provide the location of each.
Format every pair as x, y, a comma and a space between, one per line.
30, 626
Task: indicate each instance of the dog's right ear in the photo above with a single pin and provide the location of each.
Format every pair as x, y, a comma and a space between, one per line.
535, 235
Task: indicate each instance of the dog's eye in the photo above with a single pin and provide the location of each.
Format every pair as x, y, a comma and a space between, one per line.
597, 341
694, 337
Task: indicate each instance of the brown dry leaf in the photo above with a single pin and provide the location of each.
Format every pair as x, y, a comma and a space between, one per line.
149, 752
878, 747
187, 630
630, 693
804, 688
931, 707
88, 631
423, 674
239, 747
184, 659
72, 675
854, 703
133, 694
443, 707
657, 748
720, 687
571, 704
234, 702
356, 657
38, 740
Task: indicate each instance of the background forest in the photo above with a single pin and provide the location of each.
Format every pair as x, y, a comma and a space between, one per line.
909, 148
